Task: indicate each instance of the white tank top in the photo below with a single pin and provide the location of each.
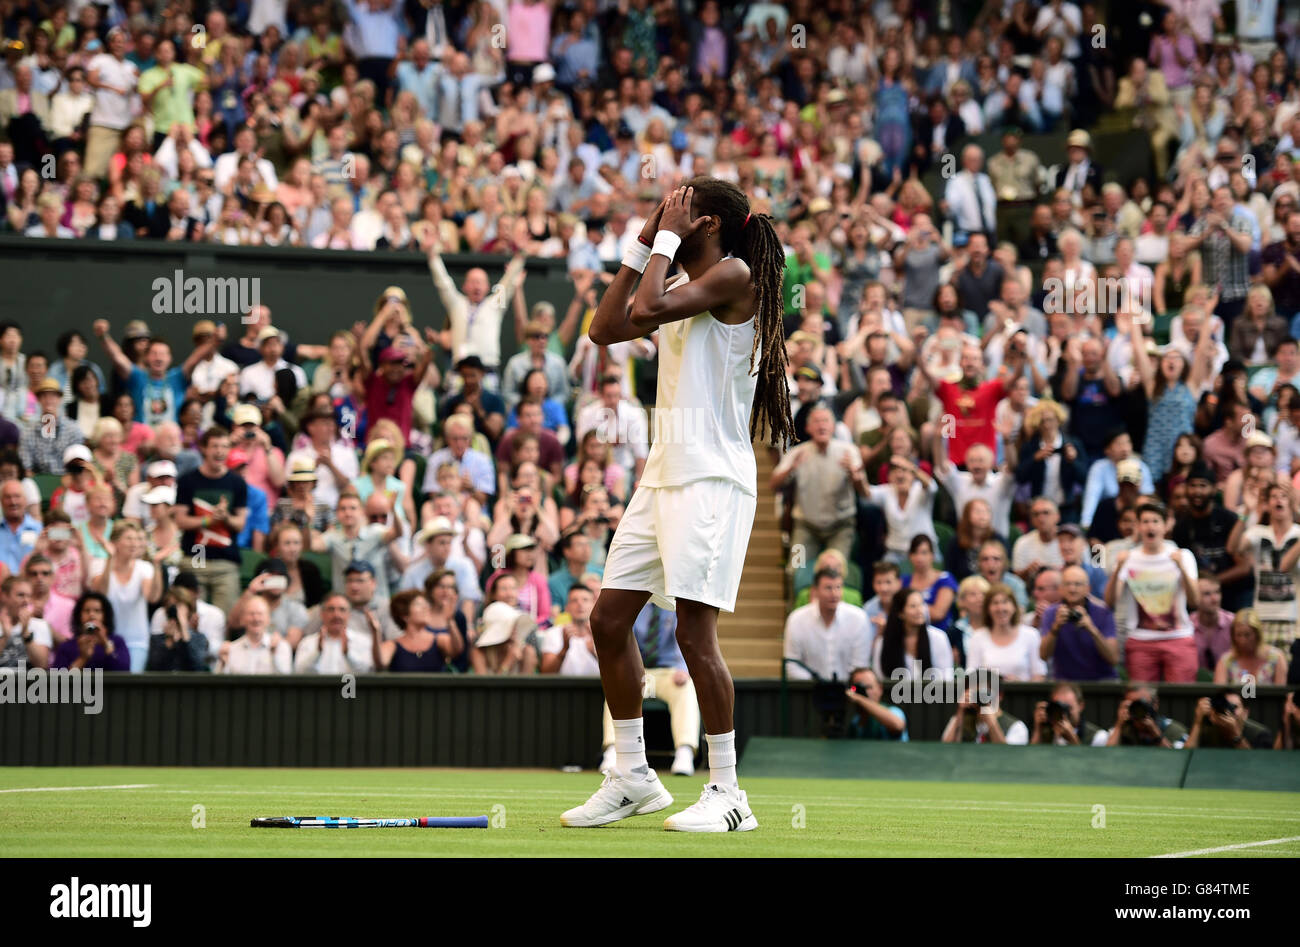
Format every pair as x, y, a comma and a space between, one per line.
703, 406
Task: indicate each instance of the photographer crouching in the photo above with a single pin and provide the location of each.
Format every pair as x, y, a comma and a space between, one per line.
1140, 723
1223, 722
1059, 721
869, 717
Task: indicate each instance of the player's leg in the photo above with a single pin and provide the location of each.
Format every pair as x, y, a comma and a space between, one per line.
633, 568
723, 806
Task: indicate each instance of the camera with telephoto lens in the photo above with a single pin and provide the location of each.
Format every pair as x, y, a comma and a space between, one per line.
1140, 710
1220, 705
171, 613
1056, 712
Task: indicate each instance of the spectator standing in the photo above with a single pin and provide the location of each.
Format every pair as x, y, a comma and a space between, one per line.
1154, 591
213, 505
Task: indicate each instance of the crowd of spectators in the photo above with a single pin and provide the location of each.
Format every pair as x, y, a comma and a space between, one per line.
1032, 471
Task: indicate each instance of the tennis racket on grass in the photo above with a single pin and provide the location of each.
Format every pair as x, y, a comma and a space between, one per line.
343, 822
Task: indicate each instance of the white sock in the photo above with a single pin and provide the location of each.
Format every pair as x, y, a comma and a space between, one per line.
629, 745
722, 759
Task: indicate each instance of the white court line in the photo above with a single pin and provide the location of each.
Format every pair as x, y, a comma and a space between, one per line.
820, 803
1230, 848
79, 788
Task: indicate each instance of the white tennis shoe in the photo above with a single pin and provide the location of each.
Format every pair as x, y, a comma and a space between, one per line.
619, 797
720, 809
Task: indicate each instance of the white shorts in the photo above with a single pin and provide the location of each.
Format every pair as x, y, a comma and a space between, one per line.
683, 542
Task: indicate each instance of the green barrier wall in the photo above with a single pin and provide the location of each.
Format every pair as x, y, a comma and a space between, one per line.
54, 285
464, 720
989, 763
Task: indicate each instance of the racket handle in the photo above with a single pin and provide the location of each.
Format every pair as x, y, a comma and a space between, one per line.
472, 822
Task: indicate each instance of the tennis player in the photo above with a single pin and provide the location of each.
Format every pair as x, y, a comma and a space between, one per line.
681, 542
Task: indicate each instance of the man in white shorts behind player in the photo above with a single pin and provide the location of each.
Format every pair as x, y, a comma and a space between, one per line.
682, 540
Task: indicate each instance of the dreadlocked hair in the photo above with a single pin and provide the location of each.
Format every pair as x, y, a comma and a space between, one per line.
752, 238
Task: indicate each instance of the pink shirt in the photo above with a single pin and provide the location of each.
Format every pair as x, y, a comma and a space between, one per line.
534, 596
258, 473
58, 613
529, 27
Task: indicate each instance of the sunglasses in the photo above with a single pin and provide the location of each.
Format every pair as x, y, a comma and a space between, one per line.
378, 517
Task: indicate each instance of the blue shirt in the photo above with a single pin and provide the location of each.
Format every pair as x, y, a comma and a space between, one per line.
658, 625
377, 30
423, 85
16, 544
156, 399
1103, 482
1076, 657
467, 586
258, 518
562, 580
476, 465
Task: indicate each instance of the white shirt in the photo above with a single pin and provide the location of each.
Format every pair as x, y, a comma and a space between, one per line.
1031, 548
579, 661
211, 372
624, 430
38, 628
1151, 601
905, 521
475, 328
997, 490
1017, 660
328, 658
258, 379
1068, 14
832, 651
969, 211
114, 109
940, 657
247, 658
327, 488
705, 397
228, 165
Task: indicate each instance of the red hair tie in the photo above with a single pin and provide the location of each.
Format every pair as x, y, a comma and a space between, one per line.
746, 223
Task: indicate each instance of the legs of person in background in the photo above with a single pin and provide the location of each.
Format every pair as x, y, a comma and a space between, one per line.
683, 714
101, 144
1172, 661
805, 542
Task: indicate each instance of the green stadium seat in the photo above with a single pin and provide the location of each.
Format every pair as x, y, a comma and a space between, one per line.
249, 560
945, 533
803, 577
804, 595
47, 483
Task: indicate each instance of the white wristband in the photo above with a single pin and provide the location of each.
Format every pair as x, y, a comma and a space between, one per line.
666, 243
637, 256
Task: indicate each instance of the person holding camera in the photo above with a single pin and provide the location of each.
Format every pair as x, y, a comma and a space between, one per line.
1140, 723
1079, 634
980, 719
1223, 722
1288, 736
93, 644
180, 646
871, 718
1059, 721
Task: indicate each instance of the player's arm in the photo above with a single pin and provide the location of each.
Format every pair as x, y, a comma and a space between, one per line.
611, 322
